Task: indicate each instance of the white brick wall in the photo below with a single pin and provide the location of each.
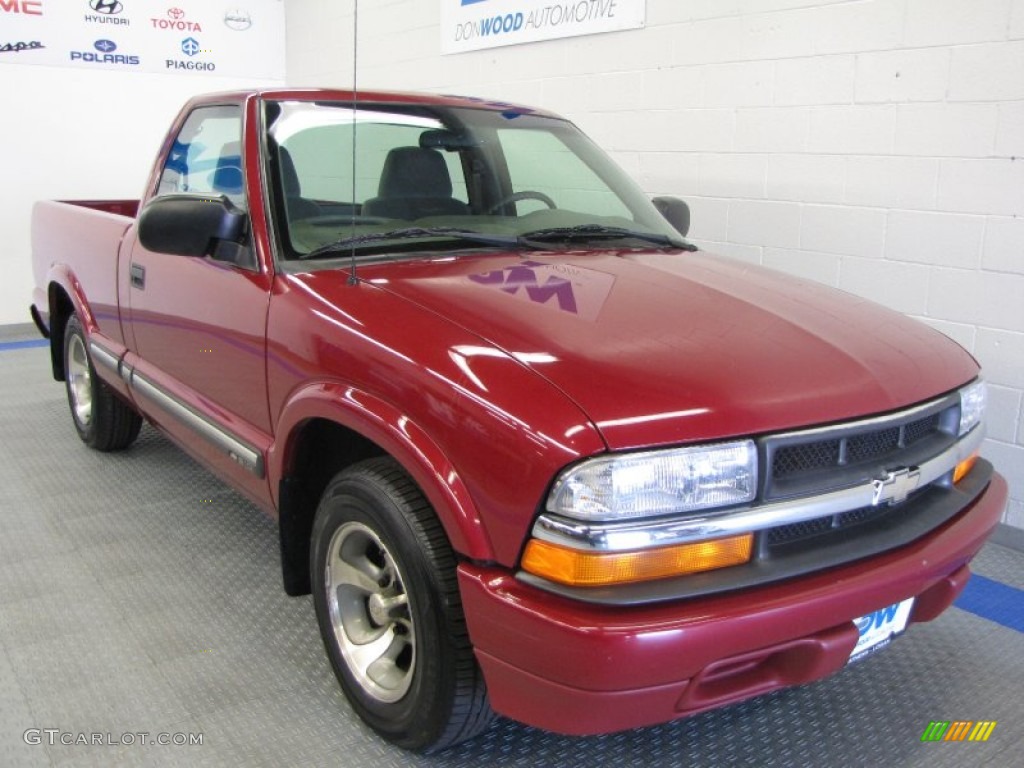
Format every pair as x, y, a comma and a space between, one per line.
877, 145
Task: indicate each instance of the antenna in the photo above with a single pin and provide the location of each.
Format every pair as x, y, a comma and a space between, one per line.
352, 278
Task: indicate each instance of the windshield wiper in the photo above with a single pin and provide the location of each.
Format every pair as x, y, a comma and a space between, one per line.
585, 232
412, 233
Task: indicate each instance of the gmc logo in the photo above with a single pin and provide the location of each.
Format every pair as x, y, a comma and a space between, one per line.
28, 7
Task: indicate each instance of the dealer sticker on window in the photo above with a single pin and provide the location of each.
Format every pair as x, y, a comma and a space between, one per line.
879, 628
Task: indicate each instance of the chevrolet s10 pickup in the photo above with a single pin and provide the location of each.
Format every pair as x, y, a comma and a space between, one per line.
531, 451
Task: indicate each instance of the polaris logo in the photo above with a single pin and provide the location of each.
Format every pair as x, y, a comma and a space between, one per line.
105, 55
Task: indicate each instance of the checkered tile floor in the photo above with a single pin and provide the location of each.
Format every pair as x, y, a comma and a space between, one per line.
140, 595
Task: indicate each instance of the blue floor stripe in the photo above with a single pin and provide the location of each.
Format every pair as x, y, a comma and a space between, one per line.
7, 346
994, 601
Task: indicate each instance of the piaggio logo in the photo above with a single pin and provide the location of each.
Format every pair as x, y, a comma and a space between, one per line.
25, 7
958, 730
190, 47
176, 22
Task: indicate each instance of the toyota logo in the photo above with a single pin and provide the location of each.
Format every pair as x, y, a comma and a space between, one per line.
109, 7
176, 13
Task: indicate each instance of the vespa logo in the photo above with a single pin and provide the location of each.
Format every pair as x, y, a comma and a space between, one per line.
108, 7
895, 486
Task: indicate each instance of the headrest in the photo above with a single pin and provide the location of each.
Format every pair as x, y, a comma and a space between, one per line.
414, 172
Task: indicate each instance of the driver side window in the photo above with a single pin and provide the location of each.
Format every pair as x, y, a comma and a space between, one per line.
206, 157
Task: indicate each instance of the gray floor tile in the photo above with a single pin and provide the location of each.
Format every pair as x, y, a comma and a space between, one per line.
139, 593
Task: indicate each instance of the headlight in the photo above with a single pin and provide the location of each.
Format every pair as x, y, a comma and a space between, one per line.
972, 406
657, 483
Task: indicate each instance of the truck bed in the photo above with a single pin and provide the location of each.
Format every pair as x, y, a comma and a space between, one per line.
89, 233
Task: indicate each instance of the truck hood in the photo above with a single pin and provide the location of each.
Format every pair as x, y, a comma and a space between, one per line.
662, 348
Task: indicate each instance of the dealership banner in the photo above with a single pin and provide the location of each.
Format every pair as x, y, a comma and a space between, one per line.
470, 25
187, 37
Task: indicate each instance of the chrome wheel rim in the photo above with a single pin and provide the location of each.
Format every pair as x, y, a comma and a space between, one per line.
79, 381
370, 613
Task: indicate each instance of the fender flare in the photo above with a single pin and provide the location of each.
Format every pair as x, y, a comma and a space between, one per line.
60, 277
398, 435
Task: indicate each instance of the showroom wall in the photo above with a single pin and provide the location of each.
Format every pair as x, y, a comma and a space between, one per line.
873, 145
70, 134
74, 126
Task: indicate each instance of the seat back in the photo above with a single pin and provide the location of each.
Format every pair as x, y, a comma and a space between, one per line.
298, 206
414, 183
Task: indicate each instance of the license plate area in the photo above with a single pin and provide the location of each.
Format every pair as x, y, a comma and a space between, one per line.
877, 629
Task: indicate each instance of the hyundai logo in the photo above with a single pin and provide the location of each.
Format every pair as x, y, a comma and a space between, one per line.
238, 19
105, 46
109, 7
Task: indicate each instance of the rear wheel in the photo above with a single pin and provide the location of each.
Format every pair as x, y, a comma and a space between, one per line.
387, 601
102, 419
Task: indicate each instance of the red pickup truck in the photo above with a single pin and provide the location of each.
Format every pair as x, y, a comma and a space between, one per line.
532, 452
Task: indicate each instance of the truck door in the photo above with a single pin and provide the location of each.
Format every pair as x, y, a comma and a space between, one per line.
199, 324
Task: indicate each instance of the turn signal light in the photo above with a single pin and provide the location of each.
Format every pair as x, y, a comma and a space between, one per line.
964, 467
576, 568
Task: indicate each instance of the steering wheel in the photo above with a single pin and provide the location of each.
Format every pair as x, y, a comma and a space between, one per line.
526, 194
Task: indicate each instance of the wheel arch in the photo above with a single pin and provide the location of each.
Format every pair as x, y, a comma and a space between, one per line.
325, 427
64, 298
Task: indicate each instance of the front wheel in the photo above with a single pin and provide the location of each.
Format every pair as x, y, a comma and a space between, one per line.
101, 418
387, 601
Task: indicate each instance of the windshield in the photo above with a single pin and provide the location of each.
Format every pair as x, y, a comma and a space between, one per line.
401, 180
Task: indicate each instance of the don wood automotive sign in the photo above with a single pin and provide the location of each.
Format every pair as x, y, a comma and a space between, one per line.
470, 25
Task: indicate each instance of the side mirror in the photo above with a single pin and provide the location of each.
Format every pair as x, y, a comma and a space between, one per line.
675, 211
190, 225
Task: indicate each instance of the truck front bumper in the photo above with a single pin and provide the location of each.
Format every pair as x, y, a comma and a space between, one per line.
578, 668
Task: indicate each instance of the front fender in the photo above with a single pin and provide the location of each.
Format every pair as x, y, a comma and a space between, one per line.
392, 430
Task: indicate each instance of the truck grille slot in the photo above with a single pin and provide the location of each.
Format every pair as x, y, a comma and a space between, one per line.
824, 460
801, 458
833, 524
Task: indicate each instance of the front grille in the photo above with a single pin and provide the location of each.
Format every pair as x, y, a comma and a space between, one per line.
833, 525
818, 461
801, 458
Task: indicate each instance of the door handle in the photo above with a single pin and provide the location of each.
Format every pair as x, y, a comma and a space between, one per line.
138, 275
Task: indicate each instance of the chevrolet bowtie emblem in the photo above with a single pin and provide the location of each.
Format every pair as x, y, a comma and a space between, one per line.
896, 485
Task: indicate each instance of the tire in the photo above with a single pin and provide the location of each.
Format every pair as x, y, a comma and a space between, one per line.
102, 419
383, 576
